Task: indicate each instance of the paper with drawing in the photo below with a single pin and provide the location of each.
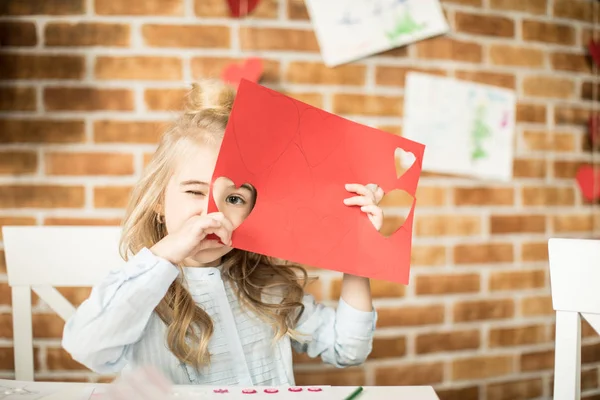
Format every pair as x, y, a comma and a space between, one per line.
468, 128
351, 29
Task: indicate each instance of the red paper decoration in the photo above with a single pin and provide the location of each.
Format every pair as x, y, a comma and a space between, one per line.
241, 8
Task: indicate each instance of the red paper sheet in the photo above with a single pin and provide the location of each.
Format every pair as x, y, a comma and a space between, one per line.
299, 158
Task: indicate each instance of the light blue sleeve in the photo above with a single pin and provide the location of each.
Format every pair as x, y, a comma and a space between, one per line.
100, 333
342, 337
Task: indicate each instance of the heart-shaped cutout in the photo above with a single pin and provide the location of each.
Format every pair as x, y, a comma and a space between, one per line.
400, 202
403, 161
251, 69
241, 8
235, 202
588, 179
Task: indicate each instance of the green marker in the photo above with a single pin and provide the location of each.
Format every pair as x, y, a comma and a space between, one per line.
355, 393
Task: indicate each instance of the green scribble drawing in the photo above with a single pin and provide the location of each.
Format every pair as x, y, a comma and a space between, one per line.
479, 133
405, 25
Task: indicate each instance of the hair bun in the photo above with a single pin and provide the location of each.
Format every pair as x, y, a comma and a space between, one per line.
210, 95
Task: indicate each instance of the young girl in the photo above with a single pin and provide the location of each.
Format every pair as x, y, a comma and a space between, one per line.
191, 306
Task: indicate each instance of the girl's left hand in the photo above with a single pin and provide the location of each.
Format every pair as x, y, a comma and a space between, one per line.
368, 199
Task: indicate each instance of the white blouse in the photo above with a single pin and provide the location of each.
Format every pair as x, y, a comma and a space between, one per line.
116, 329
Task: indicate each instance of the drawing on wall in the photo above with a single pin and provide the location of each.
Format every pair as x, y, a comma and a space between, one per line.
468, 128
351, 29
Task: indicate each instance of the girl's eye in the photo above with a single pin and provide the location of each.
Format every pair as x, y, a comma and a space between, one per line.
235, 200
192, 192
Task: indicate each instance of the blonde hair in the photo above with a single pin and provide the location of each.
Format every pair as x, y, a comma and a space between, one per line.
252, 275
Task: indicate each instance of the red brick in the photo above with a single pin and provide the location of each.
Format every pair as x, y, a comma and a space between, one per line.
35, 66
515, 390
371, 105
86, 34
448, 225
410, 316
330, 376
318, 73
480, 310
482, 367
41, 196
569, 61
18, 162
428, 255
187, 36
447, 284
516, 56
529, 168
87, 99
74, 7
488, 78
410, 375
531, 113
147, 7
41, 131
62, 221
530, 6
283, 39
484, 253
386, 75
548, 32
59, 359
571, 222
111, 196
147, 132
571, 115
518, 335
545, 86
478, 196
296, 10
581, 10
458, 393
17, 34
445, 48
481, 24
388, 348
549, 141
447, 341
139, 68
379, 289
537, 305
500, 224
89, 164
7, 357
212, 67
537, 360
17, 99
548, 196
165, 99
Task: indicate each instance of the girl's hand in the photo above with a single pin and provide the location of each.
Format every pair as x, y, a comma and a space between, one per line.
189, 238
368, 199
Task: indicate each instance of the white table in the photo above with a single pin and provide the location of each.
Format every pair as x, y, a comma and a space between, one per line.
82, 391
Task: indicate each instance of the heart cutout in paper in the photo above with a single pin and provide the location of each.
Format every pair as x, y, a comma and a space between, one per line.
588, 179
241, 8
403, 161
228, 197
251, 69
400, 203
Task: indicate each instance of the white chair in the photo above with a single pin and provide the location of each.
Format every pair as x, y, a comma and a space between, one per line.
575, 283
40, 258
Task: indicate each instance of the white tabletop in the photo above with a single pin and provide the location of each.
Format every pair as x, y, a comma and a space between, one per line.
87, 391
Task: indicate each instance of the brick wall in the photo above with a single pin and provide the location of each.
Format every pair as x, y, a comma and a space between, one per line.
86, 85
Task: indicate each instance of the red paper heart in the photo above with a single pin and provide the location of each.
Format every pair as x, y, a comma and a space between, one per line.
241, 8
251, 70
588, 179
594, 49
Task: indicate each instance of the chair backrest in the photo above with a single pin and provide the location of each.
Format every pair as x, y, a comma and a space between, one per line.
40, 258
575, 283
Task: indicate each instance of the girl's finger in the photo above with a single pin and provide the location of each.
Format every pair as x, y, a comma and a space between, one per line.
225, 222
358, 201
358, 189
379, 193
373, 210
221, 233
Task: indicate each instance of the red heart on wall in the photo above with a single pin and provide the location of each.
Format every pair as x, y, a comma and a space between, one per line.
251, 70
588, 179
594, 131
241, 8
594, 49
